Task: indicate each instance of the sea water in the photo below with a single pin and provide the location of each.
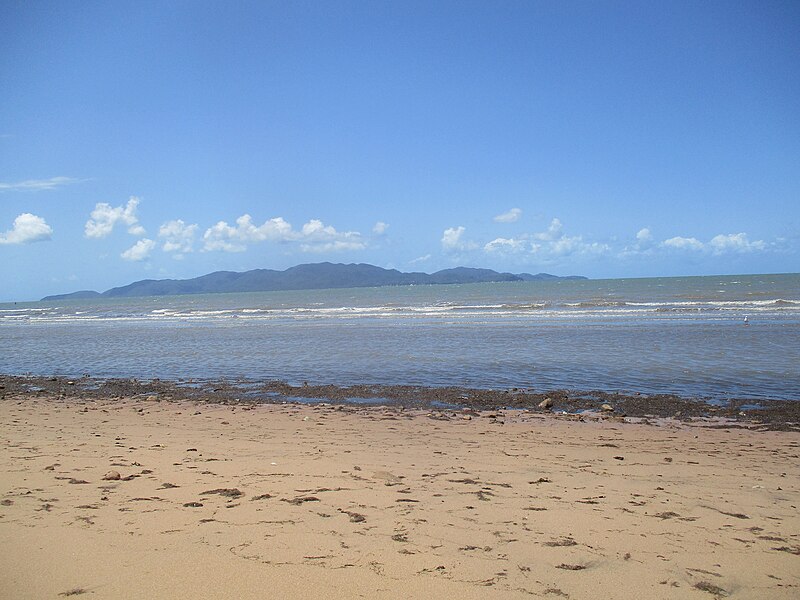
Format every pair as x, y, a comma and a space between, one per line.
686, 336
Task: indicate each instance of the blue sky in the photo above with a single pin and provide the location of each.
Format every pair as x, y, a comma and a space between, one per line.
609, 139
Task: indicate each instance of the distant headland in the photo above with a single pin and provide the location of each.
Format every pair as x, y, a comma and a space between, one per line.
303, 277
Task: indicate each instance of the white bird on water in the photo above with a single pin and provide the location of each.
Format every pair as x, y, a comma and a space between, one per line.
746, 320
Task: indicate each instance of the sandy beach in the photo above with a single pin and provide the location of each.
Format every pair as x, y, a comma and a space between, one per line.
152, 498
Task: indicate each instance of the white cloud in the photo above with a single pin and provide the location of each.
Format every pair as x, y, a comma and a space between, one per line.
335, 246
569, 246
37, 185
683, 243
139, 251
178, 237
511, 216
27, 228
452, 240
235, 239
719, 244
554, 232
223, 237
380, 228
316, 230
646, 244
503, 245
643, 245
318, 237
104, 217
314, 236
420, 259
547, 244
734, 242
644, 236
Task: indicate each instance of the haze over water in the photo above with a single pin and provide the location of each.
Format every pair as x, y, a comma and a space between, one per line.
685, 336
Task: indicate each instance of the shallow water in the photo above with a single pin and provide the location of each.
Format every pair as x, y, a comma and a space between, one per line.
670, 335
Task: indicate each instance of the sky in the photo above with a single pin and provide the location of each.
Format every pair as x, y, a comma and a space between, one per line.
151, 140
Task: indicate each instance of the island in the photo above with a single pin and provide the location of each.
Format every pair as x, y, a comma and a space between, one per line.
312, 276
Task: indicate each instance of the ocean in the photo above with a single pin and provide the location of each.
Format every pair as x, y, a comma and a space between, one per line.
686, 336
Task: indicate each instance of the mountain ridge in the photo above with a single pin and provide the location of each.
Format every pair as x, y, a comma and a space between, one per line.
309, 276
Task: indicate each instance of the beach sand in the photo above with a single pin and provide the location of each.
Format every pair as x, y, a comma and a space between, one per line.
292, 501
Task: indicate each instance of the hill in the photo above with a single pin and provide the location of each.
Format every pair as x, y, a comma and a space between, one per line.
75, 295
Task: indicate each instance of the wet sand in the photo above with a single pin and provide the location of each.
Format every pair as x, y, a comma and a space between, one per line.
149, 497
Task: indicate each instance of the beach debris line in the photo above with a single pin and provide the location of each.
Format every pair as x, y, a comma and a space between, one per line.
570, 567
705, 586
772, 414
561, 543
300, 500
227, 492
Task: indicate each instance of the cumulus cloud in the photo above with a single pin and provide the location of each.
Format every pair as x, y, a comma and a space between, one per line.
503, 245
178, 237
139, 251
37, 185
318, 237
511, 216
551, 243
104, 218
566, 245
644, 243
719, 244
644, 236
232, 238
683, 243
451, 237
380, 228
554, 232
334, 246
314, 236
316, 230
734, 242
453, 240
27, 228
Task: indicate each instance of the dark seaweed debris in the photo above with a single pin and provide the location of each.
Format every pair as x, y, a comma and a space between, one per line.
769, 414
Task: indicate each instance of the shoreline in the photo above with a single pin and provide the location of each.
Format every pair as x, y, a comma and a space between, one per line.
148, 496
765, 414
